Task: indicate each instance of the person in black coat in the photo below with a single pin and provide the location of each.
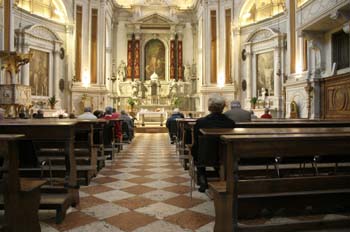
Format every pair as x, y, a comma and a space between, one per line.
216, 119
171, 123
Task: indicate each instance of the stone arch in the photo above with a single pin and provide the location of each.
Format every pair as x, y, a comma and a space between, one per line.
260, 34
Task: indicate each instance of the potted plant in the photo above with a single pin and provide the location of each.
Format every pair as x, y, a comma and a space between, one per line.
176, 101
253, 102
52, 101
132, 103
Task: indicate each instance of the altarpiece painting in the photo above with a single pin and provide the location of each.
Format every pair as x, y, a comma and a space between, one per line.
265, 74
155, 59
39, 73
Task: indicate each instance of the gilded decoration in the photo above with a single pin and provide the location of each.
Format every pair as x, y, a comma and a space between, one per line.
155, 59
39, 73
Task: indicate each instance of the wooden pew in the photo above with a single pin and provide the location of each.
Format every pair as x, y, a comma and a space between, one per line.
59, 134
181, 145
20, 196
237, 198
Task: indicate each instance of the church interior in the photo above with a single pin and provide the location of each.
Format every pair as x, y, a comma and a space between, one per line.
151, 59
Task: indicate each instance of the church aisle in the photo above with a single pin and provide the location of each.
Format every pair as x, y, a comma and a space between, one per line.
144, 190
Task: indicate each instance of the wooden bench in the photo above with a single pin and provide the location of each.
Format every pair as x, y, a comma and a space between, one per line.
61, 133
182, 125
20, 197
236, 198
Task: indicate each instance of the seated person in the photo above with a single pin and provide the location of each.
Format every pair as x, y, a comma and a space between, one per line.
115, 114
98, 113
109, 116
171, 124
266, 114
216, 119
39, 114
127, 119
237, 114
87, 114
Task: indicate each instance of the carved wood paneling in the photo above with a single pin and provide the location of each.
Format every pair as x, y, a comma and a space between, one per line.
336, 97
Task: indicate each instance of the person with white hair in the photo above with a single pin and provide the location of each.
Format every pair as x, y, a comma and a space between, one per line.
216, 119
171, 124
238, 114
87, 114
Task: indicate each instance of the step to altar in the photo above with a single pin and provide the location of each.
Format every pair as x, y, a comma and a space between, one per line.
151, 129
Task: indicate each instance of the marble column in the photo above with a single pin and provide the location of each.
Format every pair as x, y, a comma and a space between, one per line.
25, 68
236, 58
56, 67
249, 76
291, 29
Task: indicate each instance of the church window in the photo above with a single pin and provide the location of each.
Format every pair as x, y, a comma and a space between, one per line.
50, 9
213, 50
94, 39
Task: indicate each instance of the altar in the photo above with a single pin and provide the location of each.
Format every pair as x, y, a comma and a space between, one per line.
151, 116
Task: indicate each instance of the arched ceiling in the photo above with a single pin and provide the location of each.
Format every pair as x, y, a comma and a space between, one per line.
180, 3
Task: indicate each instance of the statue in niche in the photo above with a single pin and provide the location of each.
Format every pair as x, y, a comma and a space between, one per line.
294, 112
173, 88
135, 88
187, 72
122, 71
143, 89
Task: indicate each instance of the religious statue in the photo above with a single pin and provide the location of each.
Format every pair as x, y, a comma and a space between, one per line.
173, 88
294, 112
187, 72
122, 71
143, 89
135, 88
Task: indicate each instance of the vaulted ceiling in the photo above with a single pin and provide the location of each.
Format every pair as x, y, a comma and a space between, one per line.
180, 3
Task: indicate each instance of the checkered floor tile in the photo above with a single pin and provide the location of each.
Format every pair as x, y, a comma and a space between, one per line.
143, 189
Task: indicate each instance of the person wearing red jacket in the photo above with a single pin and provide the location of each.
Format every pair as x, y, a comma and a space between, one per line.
266, 114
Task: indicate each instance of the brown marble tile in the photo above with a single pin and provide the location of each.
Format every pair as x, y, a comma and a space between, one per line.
138, 189
176, 179
189, 219
184, 201
141, 180
130, 221
142, 173
180, 189
174, 172
104, 180
109, 172
96, 189
134, 202
72, 220
87, 202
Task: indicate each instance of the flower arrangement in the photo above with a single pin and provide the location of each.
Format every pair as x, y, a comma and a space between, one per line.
253, 101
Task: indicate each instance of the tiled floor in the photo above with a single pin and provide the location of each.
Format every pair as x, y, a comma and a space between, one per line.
144, 189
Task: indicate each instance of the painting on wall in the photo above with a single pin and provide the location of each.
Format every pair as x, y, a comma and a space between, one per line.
155, 59
265, 74
39, 73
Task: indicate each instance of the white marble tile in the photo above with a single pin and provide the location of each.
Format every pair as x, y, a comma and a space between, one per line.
83, 194
161, 226
205, 208
159, 195
100, 226
207, 228
120, 184
105, 210
160, 210
113, 195
124, 176
159, 184
196, 194
46, 228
